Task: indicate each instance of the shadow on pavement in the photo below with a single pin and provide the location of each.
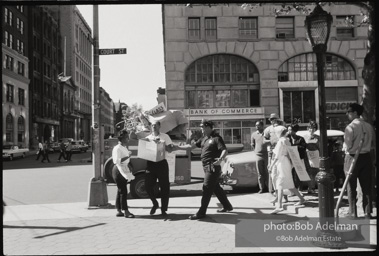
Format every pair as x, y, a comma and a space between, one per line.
65, 229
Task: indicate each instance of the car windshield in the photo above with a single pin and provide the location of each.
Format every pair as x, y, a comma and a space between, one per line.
7, 147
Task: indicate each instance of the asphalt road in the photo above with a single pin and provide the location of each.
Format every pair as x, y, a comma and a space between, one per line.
27, 181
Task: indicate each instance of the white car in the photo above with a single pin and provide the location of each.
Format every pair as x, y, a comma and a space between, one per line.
11, 151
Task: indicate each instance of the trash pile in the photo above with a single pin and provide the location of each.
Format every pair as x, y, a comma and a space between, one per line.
173, 122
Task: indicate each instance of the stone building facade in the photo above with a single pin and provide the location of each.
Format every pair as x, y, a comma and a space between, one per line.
236, 66
15, 76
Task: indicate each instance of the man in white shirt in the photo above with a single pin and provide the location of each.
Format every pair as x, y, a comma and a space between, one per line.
158, 171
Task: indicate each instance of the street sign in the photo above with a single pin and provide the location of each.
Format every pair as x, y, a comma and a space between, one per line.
112, 51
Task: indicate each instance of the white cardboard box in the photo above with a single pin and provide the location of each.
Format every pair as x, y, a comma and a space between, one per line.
150, 150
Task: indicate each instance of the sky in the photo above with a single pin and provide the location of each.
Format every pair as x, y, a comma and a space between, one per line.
133, 77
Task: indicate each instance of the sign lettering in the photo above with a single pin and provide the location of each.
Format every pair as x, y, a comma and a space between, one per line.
339, 107
112, 51
224, 111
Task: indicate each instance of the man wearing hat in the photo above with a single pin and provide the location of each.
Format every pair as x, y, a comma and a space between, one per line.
357, 130
213, 152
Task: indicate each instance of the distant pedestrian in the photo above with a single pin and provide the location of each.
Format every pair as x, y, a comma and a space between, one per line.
283, 165
40, 150
260, 148
62, 150
121, 174
213, 152
68, 151
357, 130
45, 152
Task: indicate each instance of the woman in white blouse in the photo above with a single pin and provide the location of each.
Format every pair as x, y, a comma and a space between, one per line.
121, 174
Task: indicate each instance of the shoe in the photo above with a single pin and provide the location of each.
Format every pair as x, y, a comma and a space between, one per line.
119, 214
129, 214
277, 210
275, 200
301, 202
153, 209
225, 210
285, 199
196, 217
164, 213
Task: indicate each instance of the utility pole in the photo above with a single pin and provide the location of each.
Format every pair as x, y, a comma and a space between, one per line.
98, 195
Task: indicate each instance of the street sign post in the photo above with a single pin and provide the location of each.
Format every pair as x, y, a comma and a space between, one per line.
112, 51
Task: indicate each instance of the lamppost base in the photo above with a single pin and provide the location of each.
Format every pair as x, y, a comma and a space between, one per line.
329, 239
98, 194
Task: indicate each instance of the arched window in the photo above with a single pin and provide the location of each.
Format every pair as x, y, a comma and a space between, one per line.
222, 80
303, 68
21, 129
9, 128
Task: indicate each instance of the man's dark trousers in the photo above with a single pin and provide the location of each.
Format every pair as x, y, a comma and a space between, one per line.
122, 191
362, 171
211, 185
158, 170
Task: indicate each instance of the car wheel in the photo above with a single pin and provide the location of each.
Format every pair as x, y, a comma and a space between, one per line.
10, 157
137, 187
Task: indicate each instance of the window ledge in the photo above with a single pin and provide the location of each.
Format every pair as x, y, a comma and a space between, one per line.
286, 39
248, 40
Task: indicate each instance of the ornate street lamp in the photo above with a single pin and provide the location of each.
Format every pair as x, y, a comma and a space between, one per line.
318, 24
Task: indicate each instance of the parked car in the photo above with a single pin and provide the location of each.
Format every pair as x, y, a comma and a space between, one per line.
76, 147
83, 145
54, 147
242, 171
11, 151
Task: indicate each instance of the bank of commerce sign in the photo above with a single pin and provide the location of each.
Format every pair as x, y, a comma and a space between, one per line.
224, 111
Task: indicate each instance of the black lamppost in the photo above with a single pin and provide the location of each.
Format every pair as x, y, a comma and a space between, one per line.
318, 24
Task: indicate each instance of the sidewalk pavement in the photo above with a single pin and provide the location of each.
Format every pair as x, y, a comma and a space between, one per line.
74, 228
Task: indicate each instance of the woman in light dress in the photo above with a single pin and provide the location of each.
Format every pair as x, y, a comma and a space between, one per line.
282, 178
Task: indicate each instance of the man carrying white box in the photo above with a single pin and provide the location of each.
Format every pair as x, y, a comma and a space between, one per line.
154, 147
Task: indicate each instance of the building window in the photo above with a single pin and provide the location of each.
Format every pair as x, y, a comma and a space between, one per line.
222, 68
9, 93
248, 28
345, 26
22, 47
210, 28
10, 41
21, 97
299, 106
21, 69
9, 62
6, 38
193, 28
303, 68
6, 15
9, 128
21, 27
285, 27
338, 94
21, 129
